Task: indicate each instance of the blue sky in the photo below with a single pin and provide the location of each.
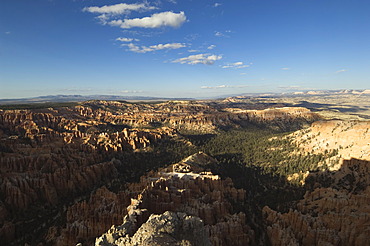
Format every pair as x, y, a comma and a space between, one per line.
182, 48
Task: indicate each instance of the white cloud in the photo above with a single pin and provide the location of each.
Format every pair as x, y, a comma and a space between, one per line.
103, 18
213, 87
291, 87
167, 46
130, 91
236, 65
341, 71
154, 21
211, 47
223, 86
285, 68
192, 51
7, 33
219, 34
144, 49
75, 89
126, 39
217, 5
118, 9
206, 59
222, 34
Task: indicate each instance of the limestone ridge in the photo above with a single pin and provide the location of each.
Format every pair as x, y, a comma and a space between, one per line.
183, 204
337, 212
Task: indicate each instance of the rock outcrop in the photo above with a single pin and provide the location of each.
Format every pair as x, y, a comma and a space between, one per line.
47, 160
89, 218
337, 212
348, 139
194, 116
169, 228
190, 192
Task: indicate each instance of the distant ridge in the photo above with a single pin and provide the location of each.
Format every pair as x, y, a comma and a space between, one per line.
330, 92
80, 98
307, 93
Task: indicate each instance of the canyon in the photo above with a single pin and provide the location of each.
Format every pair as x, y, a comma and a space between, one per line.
120, 173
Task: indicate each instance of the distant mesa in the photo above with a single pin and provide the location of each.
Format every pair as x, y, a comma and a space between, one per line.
80, 98
331, 92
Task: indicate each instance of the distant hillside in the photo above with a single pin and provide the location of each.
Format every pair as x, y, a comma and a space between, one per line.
330, 104
229, 98
307, 93
80, 98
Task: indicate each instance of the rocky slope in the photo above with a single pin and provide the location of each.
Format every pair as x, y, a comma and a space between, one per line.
169, 228
336, 212
46, 161
203, 202
335, 209
350, 139
194, 116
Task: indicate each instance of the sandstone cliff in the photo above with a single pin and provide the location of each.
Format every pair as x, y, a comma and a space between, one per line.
194, 116
47, 160
187, 188
337, 212
335, 209
169, 228
350, 139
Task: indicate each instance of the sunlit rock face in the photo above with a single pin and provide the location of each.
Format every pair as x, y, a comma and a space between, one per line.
336, 212
335, 209
350, 138
169, 228
199, 198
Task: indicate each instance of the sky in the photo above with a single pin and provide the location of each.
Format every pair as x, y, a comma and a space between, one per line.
182, 48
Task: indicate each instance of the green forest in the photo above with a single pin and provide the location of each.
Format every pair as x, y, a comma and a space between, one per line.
267, 150
258, 160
